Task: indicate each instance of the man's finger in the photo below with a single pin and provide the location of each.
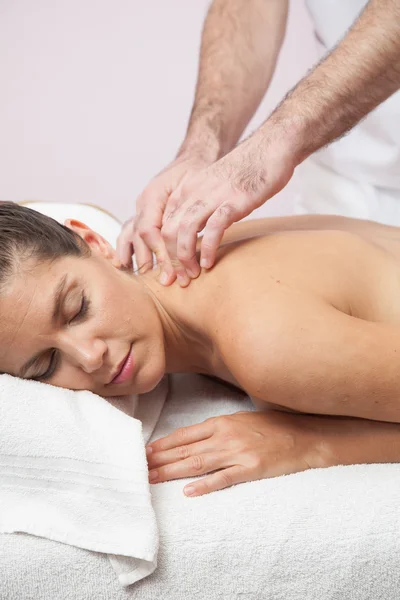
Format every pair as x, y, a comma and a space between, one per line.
176, 198
143, 255
220, 220
167, 273
193, 220
172, 204
125, 250
168, 233
151, 236
124, 247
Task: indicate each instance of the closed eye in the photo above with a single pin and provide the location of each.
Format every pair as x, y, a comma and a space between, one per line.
51, 370
81, 314
54, 357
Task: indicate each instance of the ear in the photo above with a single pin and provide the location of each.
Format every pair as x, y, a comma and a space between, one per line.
94, 240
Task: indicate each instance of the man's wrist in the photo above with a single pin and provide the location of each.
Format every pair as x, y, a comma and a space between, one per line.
202, 150
286, 135
203, 142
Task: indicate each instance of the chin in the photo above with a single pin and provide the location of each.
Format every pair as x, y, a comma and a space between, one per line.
152, 377
150, 385
148, 376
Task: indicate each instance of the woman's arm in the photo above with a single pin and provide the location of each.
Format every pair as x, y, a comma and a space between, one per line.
346, 441
263, 445
308, 356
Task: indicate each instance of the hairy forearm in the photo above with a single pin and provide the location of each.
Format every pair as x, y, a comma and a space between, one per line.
239, 48
346, 441
360, 73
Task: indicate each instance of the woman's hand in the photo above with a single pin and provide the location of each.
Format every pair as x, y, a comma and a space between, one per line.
244, 446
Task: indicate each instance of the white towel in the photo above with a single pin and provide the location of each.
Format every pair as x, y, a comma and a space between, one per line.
323, 534
73, 469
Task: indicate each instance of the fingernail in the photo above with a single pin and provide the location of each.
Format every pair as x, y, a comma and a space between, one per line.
204, 263
149, 450
164, 278
192, 274
182, 280
189, 491
153, 475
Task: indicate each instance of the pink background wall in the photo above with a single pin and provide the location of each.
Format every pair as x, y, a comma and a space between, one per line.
95, 94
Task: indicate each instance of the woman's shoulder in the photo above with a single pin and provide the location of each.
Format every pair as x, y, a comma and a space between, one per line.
338, 267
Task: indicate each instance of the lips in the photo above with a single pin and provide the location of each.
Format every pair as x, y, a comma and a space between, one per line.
124, 368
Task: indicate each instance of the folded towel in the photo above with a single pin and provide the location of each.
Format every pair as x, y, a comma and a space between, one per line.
73, 469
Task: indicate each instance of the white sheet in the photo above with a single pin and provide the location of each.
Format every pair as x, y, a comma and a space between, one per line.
324, 534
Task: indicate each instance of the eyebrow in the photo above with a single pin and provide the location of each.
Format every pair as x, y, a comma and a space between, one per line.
57, 299
56, 302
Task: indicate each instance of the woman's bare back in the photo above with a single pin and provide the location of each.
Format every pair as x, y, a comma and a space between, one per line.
294, 270
351, 264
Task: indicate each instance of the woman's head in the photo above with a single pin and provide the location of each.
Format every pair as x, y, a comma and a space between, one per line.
68, 314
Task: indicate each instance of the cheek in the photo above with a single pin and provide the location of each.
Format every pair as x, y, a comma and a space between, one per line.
72, 378
128, 307
111, 310
121, 307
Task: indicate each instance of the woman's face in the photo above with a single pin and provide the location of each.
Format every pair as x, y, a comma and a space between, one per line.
75, 322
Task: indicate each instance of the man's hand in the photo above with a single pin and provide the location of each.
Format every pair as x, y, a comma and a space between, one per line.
215, 197
241, 447
142, 234
239, 49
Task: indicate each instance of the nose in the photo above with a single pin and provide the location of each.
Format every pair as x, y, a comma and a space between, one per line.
86, 353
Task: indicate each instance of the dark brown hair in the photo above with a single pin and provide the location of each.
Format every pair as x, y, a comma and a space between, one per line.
26, 233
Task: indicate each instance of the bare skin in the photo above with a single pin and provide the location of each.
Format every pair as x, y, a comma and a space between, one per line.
301, 313
306, 320
323, 280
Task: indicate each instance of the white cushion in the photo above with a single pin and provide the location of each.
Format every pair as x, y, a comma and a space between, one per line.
96, 218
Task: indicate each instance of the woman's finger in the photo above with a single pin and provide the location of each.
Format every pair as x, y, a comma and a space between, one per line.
198, 464
183, 435
216, 481
167, 457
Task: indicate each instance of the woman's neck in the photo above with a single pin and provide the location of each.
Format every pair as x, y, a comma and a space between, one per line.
186, 322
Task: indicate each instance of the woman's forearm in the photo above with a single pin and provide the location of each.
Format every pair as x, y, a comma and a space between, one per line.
347, 441
360, 73
239, 49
